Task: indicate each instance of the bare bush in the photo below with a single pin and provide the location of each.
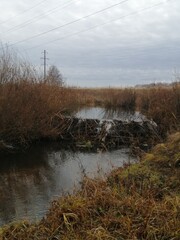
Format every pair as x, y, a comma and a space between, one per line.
13, 69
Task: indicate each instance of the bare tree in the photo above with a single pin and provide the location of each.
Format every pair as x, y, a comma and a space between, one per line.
54, 76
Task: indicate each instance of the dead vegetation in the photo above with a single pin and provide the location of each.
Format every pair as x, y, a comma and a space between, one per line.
29, 103
159, 103
139, 201
162, 104
27, 110
105, 134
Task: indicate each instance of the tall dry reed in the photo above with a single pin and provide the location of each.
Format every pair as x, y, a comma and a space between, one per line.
27, 102
162, 104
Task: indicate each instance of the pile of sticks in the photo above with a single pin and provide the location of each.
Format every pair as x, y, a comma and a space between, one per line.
107, 133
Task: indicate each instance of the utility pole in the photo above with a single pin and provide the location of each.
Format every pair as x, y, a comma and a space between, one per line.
45, 62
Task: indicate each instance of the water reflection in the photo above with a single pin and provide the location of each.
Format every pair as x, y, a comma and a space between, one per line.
101, 113
30, 180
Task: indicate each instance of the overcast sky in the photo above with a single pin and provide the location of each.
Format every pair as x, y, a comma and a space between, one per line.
97, 43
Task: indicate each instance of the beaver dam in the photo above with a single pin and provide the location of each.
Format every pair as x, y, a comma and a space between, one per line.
108, 134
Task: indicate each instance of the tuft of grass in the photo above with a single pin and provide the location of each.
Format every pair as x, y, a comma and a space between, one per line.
139, 201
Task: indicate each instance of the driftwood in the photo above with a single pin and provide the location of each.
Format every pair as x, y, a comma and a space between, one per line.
105, 133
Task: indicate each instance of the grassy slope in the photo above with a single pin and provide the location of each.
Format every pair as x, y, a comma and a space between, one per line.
140, 201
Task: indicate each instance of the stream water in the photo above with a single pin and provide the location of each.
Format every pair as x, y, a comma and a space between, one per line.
101, 113
30, 180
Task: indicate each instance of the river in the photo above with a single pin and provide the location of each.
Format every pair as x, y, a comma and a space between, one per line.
31, 179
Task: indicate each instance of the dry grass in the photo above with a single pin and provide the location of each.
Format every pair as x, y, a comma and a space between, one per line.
27, 110
28, 104
140, 201
161, 104
28, 107
123, 98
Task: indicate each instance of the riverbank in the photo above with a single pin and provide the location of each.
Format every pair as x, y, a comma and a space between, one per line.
140, 201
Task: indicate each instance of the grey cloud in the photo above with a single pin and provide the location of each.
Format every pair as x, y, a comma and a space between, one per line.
145, 45
116, 77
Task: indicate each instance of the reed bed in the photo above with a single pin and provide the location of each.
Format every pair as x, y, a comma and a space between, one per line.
162, 104
139, 201
159, 103
123, 98
27, 107
27, 110
28, 102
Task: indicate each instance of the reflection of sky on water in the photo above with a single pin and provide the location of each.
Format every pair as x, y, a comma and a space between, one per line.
31, 179
101, 113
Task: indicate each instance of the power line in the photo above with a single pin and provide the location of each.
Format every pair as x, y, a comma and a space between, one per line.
24, 11
103, 24
34, 19
69, 23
